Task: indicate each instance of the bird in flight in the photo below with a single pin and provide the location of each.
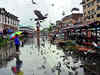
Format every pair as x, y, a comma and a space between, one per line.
33, 2
52, 4
63, 13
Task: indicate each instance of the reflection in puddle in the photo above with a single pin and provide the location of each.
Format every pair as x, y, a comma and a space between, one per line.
17, 69
4, 61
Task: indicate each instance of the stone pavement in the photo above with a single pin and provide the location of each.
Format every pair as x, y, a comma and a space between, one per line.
39, 63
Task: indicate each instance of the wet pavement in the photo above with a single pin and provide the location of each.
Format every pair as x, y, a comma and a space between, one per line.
43, 61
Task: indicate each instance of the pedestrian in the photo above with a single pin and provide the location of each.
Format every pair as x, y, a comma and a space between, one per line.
43, 39
22, 43
23, 40
17, 43
54, 37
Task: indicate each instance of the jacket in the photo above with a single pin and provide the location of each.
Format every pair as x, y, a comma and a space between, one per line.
16, 40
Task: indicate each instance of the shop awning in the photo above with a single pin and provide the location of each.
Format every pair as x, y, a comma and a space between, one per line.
84, 49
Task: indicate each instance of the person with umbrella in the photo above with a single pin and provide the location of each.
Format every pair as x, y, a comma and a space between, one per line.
16, 36
17, 42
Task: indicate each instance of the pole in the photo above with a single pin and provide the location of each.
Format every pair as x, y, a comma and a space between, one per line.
98, 62
98, 57
38, 34
58, 72
32, 38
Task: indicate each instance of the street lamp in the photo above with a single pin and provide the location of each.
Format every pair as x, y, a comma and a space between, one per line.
39, 18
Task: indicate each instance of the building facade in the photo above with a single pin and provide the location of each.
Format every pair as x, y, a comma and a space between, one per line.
29, 31
8, 20
91, 9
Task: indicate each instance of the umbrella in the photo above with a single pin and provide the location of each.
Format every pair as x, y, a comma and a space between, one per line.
18, 33
13, 35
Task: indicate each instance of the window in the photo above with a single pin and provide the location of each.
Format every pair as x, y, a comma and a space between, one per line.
98, 1
92, 16
88, 17
90, 4
91, 12
8, 20
84, 6
98, 8
0, 18
98, 15
5, 20
84, 13
11, 21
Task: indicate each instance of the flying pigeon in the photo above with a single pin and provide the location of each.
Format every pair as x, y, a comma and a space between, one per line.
31, 19
39, 15
63, 13
33, 2
52, 5
46, 14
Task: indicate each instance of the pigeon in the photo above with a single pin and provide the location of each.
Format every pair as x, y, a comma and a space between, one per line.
33, 2
43, 66
46, 14
52, 5
63, 13
31, 19
39, 15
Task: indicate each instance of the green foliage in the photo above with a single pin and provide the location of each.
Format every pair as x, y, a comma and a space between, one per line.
50, 28
3, 42
44, 30
1, 39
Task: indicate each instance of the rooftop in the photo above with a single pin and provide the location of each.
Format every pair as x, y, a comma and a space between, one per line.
4, 12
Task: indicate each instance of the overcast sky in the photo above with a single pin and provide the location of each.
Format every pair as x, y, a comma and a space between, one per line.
24, 9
